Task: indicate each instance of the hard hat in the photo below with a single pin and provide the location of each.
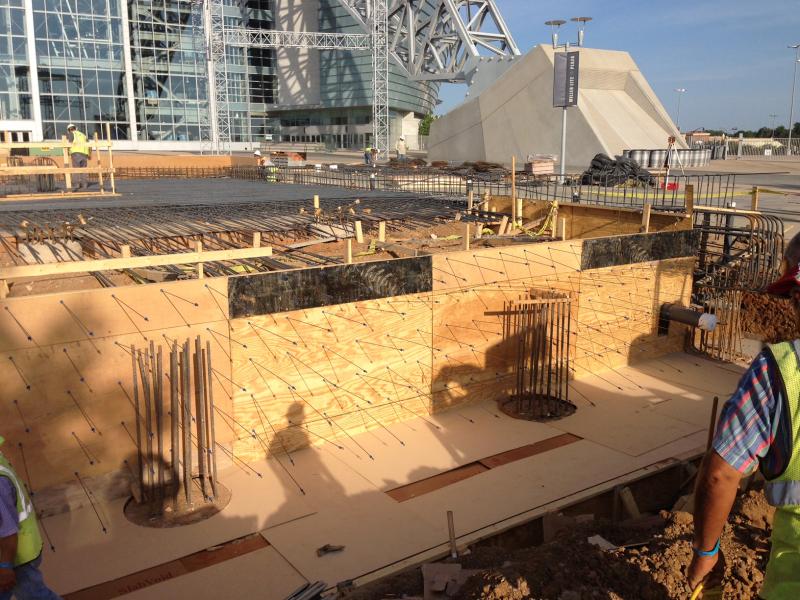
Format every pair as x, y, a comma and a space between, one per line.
402, 138
71, 126
257, 153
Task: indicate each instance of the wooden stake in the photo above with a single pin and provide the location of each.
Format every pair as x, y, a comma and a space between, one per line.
486, 200
382, 231
562, 228
451, 529
198, 247
125, 251
65, 152
503, 223
466, 236
316, 201
689, 197
470, 200
348, 257
755, 194
99, 166
554, 223
514, 191
645, 228
359, 233
629, 502
478, 231
256, 239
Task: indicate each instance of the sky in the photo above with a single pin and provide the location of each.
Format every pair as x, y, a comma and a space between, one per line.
731, 56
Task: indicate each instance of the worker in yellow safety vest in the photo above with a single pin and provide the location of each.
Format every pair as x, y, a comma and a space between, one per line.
20, 540
79, 153
759, 427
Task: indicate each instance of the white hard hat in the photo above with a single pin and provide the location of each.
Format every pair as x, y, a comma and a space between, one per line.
257, 153
402, 138
71, 126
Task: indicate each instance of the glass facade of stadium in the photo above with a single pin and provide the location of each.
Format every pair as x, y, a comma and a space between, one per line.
141, 67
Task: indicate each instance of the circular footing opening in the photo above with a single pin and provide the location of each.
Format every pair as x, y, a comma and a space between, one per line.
175, 510
536, 408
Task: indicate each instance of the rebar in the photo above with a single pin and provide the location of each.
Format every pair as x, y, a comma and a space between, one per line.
540, 330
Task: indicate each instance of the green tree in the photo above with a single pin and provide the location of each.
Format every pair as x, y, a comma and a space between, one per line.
425, 124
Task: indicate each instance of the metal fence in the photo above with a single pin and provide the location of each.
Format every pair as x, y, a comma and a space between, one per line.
660, 192
764, 148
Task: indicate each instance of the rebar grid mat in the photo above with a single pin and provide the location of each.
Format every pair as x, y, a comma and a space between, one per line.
170, 493
541, 327
738, 250
112, 225
634, 192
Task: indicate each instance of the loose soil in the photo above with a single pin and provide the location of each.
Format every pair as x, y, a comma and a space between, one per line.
768, 317
650, 563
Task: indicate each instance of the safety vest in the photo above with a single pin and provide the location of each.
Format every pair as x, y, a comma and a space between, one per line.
782, 580
29, 540
80, 143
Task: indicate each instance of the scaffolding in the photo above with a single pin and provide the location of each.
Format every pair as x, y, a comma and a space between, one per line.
429, 40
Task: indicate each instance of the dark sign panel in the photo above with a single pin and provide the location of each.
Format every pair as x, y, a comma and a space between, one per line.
565, 81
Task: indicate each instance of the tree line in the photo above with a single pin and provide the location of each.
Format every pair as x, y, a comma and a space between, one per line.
762, 132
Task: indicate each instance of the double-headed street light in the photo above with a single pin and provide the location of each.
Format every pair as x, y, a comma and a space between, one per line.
555, 25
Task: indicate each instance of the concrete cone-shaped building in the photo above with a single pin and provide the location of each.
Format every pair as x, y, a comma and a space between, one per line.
514, 114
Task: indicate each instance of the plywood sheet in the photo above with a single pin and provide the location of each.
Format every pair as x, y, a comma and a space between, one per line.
313, 375
262, 574
257, 502
460, 439
374, 529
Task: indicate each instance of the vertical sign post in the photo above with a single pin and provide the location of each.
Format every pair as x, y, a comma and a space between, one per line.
565, 94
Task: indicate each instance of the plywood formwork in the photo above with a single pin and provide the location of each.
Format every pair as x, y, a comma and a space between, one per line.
313, 368
67, 399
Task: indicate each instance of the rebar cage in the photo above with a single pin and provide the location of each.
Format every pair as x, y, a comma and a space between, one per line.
540, 329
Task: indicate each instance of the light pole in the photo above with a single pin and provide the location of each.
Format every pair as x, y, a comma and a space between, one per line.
555, 25
796, 48
772, 125
681, 92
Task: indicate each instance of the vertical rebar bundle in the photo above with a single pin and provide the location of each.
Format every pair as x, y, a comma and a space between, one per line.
725, 341
539, 330
167, 478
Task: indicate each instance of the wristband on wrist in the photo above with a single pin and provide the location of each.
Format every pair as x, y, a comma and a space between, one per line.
711, 552
6, 565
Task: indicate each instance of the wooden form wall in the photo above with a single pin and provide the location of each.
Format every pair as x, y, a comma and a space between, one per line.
67, 374
584, 221
288, 379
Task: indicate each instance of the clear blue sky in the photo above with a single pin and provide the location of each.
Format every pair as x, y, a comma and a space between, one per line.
730, 55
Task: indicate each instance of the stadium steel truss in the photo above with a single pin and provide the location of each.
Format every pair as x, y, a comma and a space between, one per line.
430, 40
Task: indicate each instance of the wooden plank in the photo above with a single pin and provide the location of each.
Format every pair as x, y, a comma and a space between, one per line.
134, 262
359, 232
382, 231
50, 170
431, 484
645, 228
61, 194
509, 456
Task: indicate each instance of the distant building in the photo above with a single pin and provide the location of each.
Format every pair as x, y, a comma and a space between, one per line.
617, 110
141, 66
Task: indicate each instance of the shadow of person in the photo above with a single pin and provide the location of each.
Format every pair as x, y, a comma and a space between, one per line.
297, 464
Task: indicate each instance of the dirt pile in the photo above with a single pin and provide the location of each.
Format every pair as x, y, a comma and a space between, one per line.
649, 562
769, 318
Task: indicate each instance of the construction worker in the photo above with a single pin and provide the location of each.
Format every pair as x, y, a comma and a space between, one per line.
759, 427
20, 540
79, 153
368, 155
259, 163
400, 146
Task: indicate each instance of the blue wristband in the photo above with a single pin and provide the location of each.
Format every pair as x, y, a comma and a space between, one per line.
711, 552
6, 565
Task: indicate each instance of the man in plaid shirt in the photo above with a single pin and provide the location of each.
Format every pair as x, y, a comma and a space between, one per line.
759, 427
